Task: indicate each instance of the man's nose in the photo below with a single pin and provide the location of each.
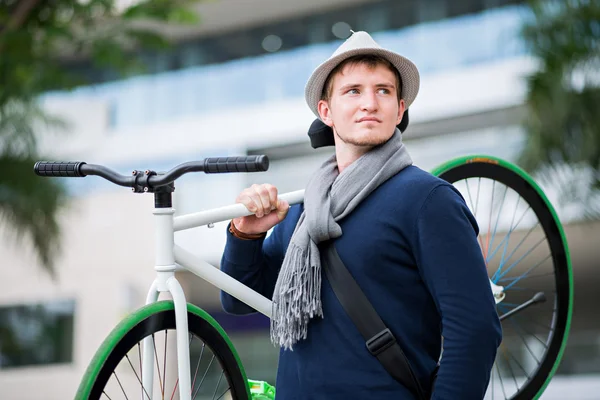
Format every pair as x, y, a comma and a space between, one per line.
369, 101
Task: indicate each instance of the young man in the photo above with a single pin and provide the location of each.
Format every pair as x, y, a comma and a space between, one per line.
407, 238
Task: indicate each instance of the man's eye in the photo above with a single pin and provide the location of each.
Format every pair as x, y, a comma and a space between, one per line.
384, 91
352, 91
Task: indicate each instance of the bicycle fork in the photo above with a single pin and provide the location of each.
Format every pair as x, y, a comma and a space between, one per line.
166, 282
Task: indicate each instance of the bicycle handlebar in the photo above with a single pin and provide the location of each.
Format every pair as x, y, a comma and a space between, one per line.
58, 168
209, 165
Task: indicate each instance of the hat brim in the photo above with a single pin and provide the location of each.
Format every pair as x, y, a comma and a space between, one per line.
406, 68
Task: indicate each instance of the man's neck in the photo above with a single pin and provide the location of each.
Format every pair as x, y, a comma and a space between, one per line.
346, 154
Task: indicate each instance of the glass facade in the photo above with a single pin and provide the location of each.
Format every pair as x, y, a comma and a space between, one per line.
36, 334
334, 24
461, 41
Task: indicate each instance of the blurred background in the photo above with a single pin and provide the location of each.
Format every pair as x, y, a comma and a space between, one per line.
148, 85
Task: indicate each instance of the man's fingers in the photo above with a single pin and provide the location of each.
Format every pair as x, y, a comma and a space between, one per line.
248, 202
263, 199
282, 209
272, 196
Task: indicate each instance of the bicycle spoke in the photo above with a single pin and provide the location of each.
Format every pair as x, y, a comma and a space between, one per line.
474, 208
198, 365
519, 364
104, 393
501, 381
157, 366
202, 380
224, 393
541, 325
125, 394
136, 375
524, 275
532, 334
141, 372
511, 369
506, 239
522, 241
165, 368
493, 384
487, 239
526, 345
497, 219
522, 257
470, 198
218, 383
505, 307
512, 228
504, 260
477, 199
530, 319
512, 278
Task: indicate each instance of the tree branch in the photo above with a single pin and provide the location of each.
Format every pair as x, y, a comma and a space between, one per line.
20, 15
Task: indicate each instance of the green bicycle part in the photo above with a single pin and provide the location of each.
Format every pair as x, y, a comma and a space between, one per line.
519, 171
131, 321
261, 390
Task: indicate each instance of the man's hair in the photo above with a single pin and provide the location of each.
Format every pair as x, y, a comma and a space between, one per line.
371, 61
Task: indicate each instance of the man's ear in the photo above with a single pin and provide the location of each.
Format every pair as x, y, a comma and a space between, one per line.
401, 109
325, 112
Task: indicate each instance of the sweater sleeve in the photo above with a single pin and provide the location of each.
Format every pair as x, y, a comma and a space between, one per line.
453, 269
255, 263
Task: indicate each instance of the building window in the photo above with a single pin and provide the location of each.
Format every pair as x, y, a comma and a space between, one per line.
36, 334
457, 8
432, 10
303, 30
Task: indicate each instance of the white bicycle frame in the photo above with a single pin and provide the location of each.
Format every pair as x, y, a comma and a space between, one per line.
171, 258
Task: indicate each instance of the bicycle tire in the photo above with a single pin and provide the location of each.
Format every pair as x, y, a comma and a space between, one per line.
153, 318
518, 180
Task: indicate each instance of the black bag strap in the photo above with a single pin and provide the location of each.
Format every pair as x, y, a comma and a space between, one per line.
379, 340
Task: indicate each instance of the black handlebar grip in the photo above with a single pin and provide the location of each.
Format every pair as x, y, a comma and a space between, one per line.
236, 164
59, 168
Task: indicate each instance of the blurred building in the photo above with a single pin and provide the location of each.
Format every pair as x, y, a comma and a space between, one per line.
233, 86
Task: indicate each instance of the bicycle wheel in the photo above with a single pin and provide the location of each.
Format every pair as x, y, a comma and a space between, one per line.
115, 371
527, 257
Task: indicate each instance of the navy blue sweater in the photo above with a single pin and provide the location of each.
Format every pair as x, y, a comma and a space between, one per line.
412, 247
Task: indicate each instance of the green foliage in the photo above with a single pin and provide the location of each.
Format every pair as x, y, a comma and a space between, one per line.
161, 10
35, 48
37, 38
563, 122
29, 205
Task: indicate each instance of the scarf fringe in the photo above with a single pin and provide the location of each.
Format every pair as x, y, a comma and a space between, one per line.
297, 299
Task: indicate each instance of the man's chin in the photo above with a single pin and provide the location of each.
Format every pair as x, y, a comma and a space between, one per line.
371, 137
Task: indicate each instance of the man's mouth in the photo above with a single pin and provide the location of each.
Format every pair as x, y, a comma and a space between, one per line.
369, 119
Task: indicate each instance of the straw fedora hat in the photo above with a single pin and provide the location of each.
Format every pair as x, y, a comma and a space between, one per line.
360, 43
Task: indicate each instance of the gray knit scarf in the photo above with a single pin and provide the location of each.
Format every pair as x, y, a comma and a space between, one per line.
328, 197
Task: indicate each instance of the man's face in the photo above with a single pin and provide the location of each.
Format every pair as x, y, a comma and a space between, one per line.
363, 107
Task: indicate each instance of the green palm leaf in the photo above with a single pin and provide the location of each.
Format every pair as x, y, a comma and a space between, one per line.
30, 205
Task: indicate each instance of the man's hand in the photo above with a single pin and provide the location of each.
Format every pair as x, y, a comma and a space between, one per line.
268, 210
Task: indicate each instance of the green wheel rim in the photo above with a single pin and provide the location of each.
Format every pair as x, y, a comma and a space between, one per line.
131, 321
519, 171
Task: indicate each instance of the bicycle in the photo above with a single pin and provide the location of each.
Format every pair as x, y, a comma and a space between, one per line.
133, 342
